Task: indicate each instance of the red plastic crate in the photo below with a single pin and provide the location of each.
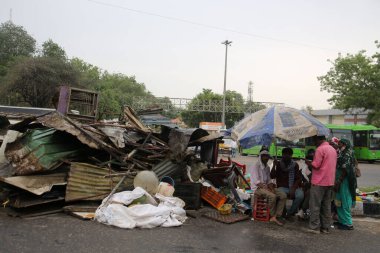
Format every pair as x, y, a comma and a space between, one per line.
260, 208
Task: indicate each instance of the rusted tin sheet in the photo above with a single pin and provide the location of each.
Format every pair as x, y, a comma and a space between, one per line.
42, 149
203, 139
173, 135
36, 184
168, 168
24, 201
88, 182
115, 133
19, 113
62, 123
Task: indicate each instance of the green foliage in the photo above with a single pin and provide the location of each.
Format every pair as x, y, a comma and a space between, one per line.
52, 49
116, 91
207, 98
14, 42
354, 81
34, 80
236, 100
88, 75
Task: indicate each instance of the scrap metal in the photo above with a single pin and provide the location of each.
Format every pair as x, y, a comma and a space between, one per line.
88, 182
36, 184
40, 150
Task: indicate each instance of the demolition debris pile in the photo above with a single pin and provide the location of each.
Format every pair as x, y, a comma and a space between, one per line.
52, 163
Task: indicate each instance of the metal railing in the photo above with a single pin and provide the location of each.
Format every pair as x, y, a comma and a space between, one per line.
179, 104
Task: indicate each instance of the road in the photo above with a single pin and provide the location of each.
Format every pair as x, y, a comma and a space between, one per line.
370, 172
63, 233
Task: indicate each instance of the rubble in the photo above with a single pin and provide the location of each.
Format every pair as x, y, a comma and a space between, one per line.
55, 163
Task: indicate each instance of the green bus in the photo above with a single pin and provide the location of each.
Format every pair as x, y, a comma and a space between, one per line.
365, 139
298, 147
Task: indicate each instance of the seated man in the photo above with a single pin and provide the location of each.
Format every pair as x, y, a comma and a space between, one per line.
262, 186
304, 212
289, 179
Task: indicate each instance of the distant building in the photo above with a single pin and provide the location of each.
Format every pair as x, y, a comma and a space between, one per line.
212, 127
339, 117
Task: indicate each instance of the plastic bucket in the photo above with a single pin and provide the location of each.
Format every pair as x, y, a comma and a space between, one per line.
168, 180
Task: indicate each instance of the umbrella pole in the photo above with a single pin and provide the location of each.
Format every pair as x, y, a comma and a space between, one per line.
275, 144
275, 147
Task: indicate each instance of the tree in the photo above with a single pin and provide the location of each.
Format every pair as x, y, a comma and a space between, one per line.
88, 74
34, 80
307, 108
236, 100
52, 49
354, 81
14, 42
116, 91
212, 101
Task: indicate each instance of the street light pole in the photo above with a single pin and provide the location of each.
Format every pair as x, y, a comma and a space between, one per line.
227, 43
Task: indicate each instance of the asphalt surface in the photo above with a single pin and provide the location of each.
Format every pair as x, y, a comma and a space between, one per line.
63, 233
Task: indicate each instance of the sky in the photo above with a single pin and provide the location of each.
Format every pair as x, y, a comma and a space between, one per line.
174, 47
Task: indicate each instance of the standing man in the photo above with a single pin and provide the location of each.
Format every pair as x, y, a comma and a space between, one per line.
322, 183
288, 179
233, 148
262, 186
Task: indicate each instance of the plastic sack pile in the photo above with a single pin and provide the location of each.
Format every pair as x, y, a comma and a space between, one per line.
137, 208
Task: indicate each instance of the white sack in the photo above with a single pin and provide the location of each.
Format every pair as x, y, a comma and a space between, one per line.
168, 213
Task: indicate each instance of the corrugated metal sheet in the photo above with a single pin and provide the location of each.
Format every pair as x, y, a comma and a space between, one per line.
41, 149
206, 138
16, 112
189, 134
36, 184
60, 122
168, 168
87, 181
115, 133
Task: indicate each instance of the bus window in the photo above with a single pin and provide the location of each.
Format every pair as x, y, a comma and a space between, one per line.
291, 144
374, 140
342, 134
360, 139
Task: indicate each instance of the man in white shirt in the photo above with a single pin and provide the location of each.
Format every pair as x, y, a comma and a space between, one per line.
262, 185
233, 148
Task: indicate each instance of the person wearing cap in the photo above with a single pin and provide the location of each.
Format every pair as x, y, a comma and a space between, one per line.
288, 179
322, 183
334, 142
262, 185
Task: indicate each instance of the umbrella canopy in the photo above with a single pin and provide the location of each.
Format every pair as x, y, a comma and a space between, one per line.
283, 122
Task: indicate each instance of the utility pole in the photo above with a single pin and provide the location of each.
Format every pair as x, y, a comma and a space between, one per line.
227, 43
250, 91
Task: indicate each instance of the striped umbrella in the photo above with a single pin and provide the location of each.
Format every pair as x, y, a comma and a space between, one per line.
287, 123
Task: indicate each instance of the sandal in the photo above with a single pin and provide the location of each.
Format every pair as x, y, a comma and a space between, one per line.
277, 222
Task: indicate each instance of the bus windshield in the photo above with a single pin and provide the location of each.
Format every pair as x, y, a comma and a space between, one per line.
342, 134
374, 140
291, 144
